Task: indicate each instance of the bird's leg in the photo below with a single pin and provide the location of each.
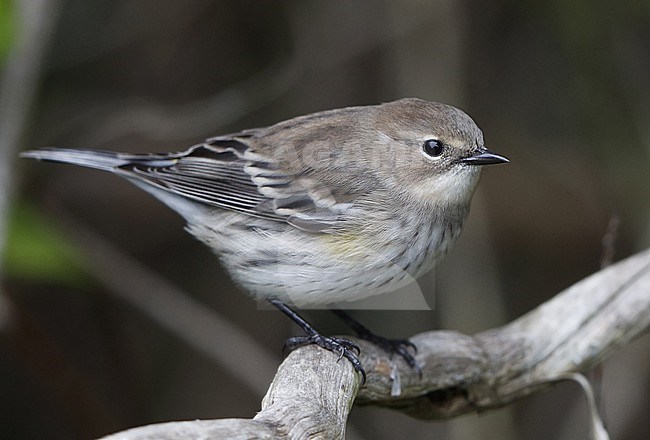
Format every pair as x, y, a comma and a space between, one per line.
344, 347
401, 347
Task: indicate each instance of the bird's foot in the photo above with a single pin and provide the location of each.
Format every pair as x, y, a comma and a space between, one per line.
343, 347
402, 347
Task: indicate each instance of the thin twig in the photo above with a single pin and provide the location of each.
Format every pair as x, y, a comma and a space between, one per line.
606, 259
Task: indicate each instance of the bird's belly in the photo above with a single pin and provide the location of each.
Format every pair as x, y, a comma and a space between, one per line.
275, 259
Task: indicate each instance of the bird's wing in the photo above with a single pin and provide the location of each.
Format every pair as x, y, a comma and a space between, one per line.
224, 172
215, 177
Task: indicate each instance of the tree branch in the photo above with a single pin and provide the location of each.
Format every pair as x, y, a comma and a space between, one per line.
312, 394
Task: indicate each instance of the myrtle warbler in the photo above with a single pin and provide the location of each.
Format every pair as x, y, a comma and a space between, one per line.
323, 208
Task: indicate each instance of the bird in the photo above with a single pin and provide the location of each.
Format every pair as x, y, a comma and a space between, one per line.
324, 208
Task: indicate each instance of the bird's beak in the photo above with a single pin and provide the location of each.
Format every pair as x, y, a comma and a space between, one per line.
484, 157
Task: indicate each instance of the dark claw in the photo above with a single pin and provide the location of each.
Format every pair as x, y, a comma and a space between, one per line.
391, 346
344, 347
401, 347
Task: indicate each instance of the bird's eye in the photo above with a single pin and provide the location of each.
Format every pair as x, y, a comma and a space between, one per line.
433, 148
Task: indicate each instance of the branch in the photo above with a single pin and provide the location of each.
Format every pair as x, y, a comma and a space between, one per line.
312, 394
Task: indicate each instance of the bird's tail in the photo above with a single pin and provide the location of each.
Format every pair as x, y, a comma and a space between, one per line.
101, 160
123, 164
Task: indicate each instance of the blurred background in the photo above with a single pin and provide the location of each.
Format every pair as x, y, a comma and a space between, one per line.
111, 316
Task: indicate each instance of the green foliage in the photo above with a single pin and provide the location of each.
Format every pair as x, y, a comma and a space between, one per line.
35, 250
7, 27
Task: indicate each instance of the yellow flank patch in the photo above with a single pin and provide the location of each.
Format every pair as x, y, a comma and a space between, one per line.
348, 246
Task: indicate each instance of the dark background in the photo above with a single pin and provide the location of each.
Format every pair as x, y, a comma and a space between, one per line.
561, 88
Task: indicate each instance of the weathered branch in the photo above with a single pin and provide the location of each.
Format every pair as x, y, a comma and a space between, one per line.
312, 394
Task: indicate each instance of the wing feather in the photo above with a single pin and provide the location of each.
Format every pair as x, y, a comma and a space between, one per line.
222, 173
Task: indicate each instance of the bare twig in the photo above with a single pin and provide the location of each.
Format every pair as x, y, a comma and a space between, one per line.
312, 394
598, 431
608, 243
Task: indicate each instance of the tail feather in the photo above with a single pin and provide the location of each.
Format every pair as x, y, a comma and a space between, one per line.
121, 164
101, 160
97, 159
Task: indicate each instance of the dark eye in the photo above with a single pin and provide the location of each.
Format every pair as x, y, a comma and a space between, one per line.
433, 148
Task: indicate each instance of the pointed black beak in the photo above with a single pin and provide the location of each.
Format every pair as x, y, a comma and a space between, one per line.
484, 157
